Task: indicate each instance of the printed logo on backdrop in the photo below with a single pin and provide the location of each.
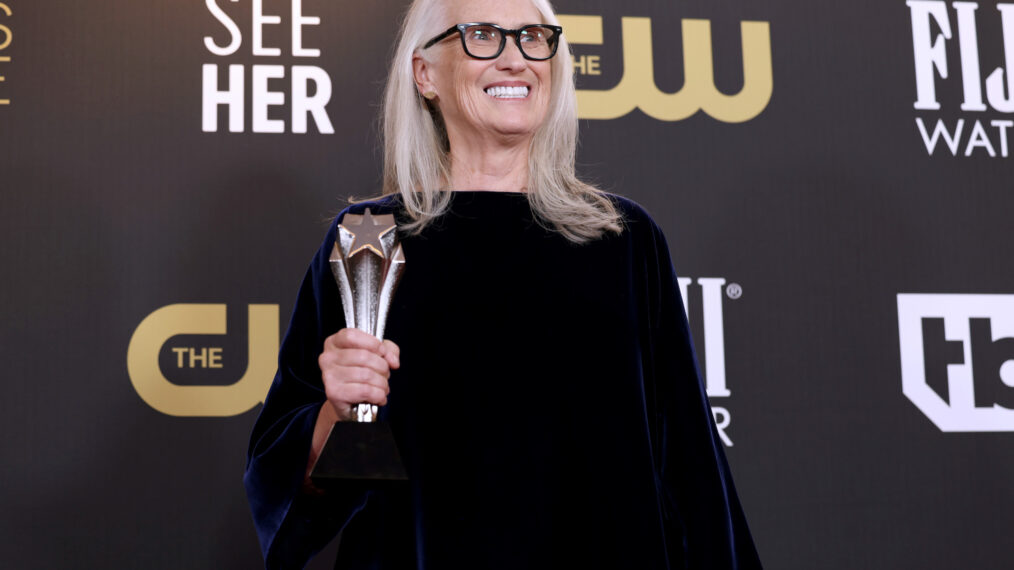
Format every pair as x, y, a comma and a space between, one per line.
6, 37
957, 359
980, 125
712, 290
176, 360
225, 85
184, 342
637, 89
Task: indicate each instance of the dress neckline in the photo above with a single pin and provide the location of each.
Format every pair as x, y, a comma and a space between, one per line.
490, 205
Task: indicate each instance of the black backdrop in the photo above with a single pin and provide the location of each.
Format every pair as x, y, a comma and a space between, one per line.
129, 227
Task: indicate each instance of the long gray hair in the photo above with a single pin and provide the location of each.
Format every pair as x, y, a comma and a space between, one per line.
416, 153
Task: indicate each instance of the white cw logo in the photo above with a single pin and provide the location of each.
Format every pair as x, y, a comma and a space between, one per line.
957, 359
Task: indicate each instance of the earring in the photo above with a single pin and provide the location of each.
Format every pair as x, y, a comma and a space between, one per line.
430, 94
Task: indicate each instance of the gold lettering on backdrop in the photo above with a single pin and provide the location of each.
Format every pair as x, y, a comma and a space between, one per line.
202, 319
587, 65
637, 89
8, 37
206, 357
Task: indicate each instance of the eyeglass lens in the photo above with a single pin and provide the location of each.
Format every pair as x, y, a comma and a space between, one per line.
485, 41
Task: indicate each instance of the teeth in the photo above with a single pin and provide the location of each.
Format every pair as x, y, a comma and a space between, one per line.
501, 92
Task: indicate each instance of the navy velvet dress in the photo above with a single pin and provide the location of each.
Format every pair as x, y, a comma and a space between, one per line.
549, 409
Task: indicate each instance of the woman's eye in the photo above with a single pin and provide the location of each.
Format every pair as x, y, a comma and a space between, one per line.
532, 36
483, 35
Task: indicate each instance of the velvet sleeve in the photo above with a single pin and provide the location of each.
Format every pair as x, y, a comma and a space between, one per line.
293, 523
705, 524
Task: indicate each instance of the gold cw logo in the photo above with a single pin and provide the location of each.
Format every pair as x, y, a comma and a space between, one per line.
637, 89
202, 319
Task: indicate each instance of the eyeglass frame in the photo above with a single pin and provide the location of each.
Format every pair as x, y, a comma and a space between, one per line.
504, 32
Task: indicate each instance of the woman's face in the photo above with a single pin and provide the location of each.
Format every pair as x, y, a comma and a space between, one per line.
465, 87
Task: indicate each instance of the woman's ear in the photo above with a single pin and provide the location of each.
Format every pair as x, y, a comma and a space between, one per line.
421, 70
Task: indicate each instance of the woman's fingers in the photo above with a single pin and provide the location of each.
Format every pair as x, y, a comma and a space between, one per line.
348, 386
345, 387
353, 338
392, 353
333, 371
355, 367
352, 357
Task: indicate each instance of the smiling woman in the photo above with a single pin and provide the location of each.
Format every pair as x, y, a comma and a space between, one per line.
536, 152
488, 133
538, 374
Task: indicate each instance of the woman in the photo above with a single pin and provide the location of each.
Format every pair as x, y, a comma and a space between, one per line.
544, 395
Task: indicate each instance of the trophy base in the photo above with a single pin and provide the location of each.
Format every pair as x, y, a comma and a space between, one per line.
358, 451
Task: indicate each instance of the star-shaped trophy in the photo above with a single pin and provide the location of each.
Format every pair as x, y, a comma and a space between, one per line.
367, 262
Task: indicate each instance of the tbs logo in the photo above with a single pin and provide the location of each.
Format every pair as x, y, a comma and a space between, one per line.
957, 359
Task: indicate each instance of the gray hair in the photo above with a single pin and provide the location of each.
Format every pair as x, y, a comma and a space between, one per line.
416, 152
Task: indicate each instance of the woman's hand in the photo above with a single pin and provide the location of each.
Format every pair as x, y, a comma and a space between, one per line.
355, 367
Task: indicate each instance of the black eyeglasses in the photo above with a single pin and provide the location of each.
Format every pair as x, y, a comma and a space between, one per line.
537, 42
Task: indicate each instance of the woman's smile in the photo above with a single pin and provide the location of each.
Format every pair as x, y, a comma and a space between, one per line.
508, 90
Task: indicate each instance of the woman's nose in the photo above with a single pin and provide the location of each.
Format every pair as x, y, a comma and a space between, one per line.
511, 58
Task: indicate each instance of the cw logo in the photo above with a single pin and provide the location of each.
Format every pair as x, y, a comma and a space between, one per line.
637, 89
202, 319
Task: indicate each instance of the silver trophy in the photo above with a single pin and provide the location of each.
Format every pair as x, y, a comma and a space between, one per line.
367, 262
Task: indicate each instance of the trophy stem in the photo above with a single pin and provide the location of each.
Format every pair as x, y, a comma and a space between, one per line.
365, 413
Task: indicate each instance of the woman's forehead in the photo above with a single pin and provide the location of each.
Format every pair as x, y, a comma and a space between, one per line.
506, 13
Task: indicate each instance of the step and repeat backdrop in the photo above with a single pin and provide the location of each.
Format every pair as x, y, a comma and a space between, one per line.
835, 180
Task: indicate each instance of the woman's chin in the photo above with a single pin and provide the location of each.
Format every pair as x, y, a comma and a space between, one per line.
515, 136
517, 127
